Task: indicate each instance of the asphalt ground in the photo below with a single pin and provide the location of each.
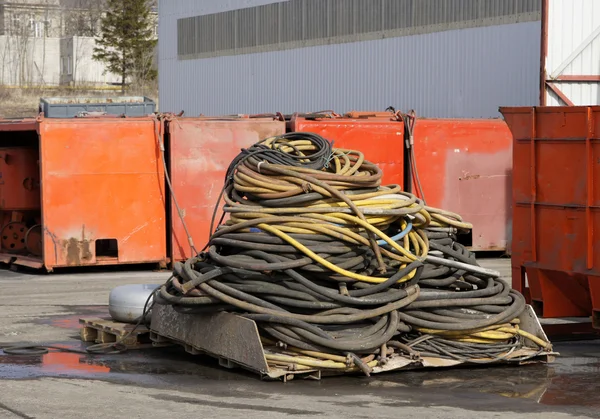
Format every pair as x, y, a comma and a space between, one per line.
168, 382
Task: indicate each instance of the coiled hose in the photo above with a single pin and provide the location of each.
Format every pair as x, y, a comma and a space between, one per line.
341, 272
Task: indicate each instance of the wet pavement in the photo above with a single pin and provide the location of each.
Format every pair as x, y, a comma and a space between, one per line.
571, 381
570, 385
168, 382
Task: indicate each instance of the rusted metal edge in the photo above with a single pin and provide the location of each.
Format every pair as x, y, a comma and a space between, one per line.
37, 263
576, 78
559, 93
7, 258
18, 125
547, 109
29, 262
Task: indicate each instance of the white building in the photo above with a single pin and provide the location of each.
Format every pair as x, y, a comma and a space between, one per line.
51, 43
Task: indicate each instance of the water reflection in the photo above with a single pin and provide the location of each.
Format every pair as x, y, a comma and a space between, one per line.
571, 381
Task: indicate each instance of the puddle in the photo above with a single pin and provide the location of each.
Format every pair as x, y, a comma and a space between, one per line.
567, 382
571, 381
135, 365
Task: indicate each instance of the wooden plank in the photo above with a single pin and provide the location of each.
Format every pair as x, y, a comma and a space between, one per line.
101, 330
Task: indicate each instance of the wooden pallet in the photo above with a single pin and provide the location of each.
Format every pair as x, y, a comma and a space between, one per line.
107, 331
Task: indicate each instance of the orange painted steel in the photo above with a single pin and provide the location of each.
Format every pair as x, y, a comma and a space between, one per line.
379, 137
200, 151
101, 179
19, 178
556, 208
465, 166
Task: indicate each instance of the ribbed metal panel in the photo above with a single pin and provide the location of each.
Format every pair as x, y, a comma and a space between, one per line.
574, 49
454, 73
325, 22
172, 10
467, 73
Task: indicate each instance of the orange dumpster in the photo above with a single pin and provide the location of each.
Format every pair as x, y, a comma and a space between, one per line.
379, 136
465, 166
200, 150
555, 252
101, 190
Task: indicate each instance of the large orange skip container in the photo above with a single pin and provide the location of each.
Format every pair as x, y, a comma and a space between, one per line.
556, 202
200, 151
379, 138
464, 166
101, 188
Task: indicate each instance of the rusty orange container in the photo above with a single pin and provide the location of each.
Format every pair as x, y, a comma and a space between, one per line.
200, 151
556, 208
465, 166
102, 190
380, 136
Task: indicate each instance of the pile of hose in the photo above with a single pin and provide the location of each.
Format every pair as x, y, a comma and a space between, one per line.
341, 272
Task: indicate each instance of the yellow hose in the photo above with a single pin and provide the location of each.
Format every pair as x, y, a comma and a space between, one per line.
314, 362
326, 263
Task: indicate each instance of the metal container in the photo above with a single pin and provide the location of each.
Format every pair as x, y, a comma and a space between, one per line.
102, 190
69, 107
126, 302
200, 151
380, 138
464, 166
556, 214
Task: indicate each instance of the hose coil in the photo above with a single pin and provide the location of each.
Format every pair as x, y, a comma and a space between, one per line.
334, 266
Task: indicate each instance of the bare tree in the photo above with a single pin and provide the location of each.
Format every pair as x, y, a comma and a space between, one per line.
82, 17
144, 72
24, 22
22, 35
81, 22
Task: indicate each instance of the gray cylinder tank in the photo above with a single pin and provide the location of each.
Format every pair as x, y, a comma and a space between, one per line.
126, 302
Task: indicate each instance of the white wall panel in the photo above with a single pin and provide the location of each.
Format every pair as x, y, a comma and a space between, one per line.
573, 50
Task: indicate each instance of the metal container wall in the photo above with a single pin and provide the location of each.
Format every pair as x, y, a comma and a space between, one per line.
69, 107
201, 150
19, 178
101, 179
465, 166
102, 190
556, 199
381, 139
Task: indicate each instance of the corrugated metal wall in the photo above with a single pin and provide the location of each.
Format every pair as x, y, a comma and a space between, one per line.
573, 51
451, 73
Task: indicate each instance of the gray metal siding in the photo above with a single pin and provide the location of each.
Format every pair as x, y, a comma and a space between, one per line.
456, 73
305, 23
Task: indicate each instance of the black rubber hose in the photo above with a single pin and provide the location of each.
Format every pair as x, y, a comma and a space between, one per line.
334, 294
507, 314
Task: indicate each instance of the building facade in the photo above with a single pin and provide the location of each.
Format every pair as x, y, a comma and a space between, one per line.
51, 43
443, 58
